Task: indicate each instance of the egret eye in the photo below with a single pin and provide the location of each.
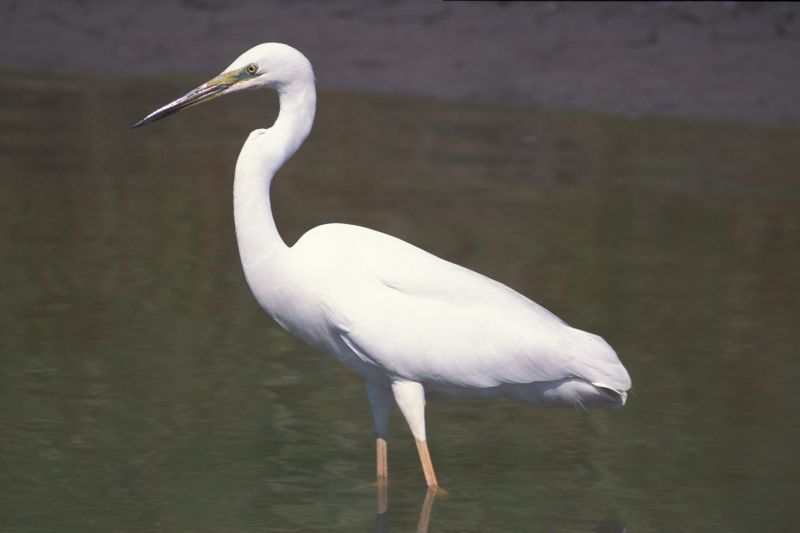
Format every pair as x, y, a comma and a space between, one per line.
251, 69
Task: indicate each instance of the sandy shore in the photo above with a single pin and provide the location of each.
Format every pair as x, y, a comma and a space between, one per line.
727, 60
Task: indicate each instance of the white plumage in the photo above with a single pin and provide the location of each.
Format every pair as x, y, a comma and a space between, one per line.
405, 320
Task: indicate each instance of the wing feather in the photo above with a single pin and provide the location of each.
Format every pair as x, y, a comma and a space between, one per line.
425, 319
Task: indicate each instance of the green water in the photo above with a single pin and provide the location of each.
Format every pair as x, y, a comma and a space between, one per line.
143, 389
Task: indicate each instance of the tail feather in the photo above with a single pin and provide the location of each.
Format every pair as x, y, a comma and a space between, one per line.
617, 395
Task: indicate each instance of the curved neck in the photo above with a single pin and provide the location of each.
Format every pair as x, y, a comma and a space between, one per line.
264, 152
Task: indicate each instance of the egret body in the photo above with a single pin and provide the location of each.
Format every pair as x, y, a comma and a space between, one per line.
405, 320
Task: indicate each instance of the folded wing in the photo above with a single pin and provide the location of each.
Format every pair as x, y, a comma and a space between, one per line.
421, 318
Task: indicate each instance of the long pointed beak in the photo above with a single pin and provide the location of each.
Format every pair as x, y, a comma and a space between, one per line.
206, 92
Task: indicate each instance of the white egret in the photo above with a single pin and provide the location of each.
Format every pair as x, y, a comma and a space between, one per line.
405, 320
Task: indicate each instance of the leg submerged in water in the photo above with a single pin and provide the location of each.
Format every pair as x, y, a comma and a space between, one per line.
380, 401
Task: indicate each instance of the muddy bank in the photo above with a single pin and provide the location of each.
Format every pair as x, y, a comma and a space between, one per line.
726, 60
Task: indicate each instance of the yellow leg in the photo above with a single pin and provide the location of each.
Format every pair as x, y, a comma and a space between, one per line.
425, 512
427, 464
382, 497
381, 460
382, 465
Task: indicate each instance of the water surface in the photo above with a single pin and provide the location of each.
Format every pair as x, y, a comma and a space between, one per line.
142, 388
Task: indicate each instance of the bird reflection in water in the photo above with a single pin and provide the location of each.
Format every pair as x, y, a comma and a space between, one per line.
382, 516
423, 524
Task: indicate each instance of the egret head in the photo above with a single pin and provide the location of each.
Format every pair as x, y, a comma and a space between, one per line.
270, 65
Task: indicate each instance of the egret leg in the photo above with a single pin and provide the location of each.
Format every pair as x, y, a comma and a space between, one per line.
382, 497
425, 512
380, 401
410, 398
427, 464
381, 460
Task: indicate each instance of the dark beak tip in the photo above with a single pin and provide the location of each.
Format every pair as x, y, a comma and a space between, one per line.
139, 123
198, 95
149, 119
